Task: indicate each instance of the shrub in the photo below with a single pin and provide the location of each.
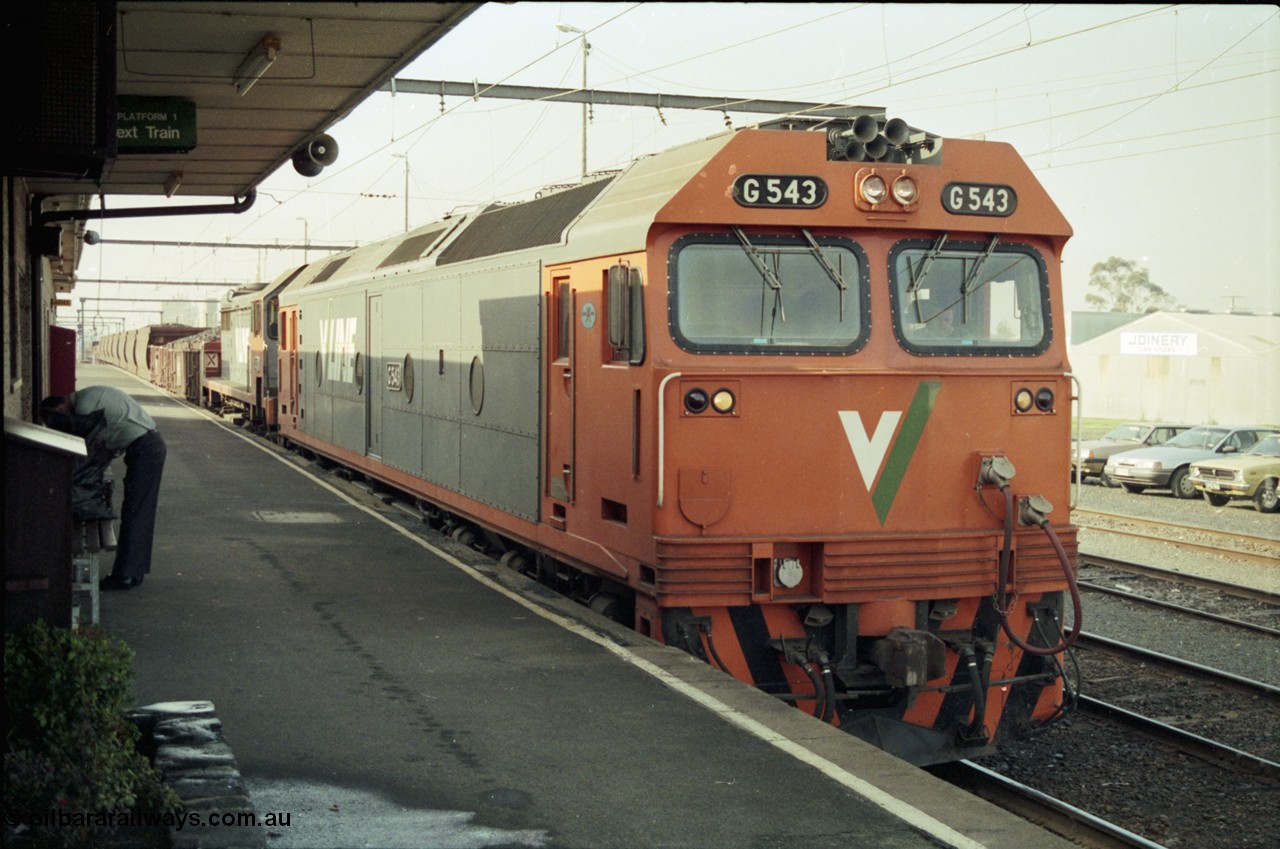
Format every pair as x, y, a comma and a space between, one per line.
68, 745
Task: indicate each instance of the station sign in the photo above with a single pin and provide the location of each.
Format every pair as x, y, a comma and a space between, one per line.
155, 124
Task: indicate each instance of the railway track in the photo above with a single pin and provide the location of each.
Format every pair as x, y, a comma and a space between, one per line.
1117, 772
1251, 548
1183, 701
1188, 595
1062, 818
1155, 740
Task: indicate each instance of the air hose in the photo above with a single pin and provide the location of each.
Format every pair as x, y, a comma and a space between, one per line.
977, 728
830, 683
819, 692
1002, 593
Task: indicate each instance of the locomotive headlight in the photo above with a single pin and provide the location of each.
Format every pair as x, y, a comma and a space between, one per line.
1023, 400
788, 572
873, 189
1044, 400
723, 401
904, 191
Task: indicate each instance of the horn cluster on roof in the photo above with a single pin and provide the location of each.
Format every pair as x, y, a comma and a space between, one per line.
867, 137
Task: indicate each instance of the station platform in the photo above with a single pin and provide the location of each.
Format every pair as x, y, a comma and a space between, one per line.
386, 687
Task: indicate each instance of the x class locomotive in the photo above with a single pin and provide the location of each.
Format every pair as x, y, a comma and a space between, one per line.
793, 398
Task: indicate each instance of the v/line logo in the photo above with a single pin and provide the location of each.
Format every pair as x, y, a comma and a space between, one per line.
883, 476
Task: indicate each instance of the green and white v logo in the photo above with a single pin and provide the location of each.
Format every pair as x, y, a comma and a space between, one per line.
869, 450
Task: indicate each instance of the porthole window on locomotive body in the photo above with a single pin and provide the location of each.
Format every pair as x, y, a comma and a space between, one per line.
477, 384
407, 379
753, 293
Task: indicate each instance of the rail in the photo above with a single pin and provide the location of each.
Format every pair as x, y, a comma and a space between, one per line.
1066, 820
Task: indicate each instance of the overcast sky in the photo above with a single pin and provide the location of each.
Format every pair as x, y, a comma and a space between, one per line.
1156, 129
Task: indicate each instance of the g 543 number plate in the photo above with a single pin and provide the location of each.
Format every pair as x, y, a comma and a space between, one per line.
979, 199
789, 191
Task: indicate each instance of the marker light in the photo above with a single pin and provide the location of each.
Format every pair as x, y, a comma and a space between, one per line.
723, 401
1023, 400
696, 401
874, 190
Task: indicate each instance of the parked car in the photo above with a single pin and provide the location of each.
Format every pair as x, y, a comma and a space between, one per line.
1089, 458
1253, 474
1169, 465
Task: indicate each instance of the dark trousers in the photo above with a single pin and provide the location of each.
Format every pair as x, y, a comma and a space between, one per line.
144, 464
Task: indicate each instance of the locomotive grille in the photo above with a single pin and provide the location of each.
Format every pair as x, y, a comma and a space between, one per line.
858, 570
926, 567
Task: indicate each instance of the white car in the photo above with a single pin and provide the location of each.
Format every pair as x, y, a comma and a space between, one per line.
1089, 458
1168, 466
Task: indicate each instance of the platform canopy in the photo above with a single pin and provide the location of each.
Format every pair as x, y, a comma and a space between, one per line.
196, 99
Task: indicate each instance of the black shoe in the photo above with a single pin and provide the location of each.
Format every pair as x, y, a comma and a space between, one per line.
114, 582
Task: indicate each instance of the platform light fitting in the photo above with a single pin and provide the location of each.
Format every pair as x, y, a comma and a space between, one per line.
255, 64
172, 183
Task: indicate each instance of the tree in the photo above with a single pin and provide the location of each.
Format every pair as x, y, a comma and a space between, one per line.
1120, 286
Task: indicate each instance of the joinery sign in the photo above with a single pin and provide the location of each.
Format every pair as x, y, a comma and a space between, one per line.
1159, 344
155, 124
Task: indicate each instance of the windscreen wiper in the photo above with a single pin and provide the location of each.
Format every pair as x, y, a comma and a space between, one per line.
835, 275
770, 278
918, 272
967, 284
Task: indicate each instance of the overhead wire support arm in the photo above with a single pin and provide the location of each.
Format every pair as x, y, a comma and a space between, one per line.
602, 97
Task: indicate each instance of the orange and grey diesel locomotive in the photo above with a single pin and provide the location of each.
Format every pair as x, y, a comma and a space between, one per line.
247, 381
761, 396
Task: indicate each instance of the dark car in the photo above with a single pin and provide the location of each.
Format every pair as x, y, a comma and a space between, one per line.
1089, 458
1169, 465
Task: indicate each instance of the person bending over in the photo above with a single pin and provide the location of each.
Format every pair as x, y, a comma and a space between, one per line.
129, 430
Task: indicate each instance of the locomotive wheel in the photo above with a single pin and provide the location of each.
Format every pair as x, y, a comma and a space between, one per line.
1266, 499
1216, 500
604, 604
464, 535
1182, 485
